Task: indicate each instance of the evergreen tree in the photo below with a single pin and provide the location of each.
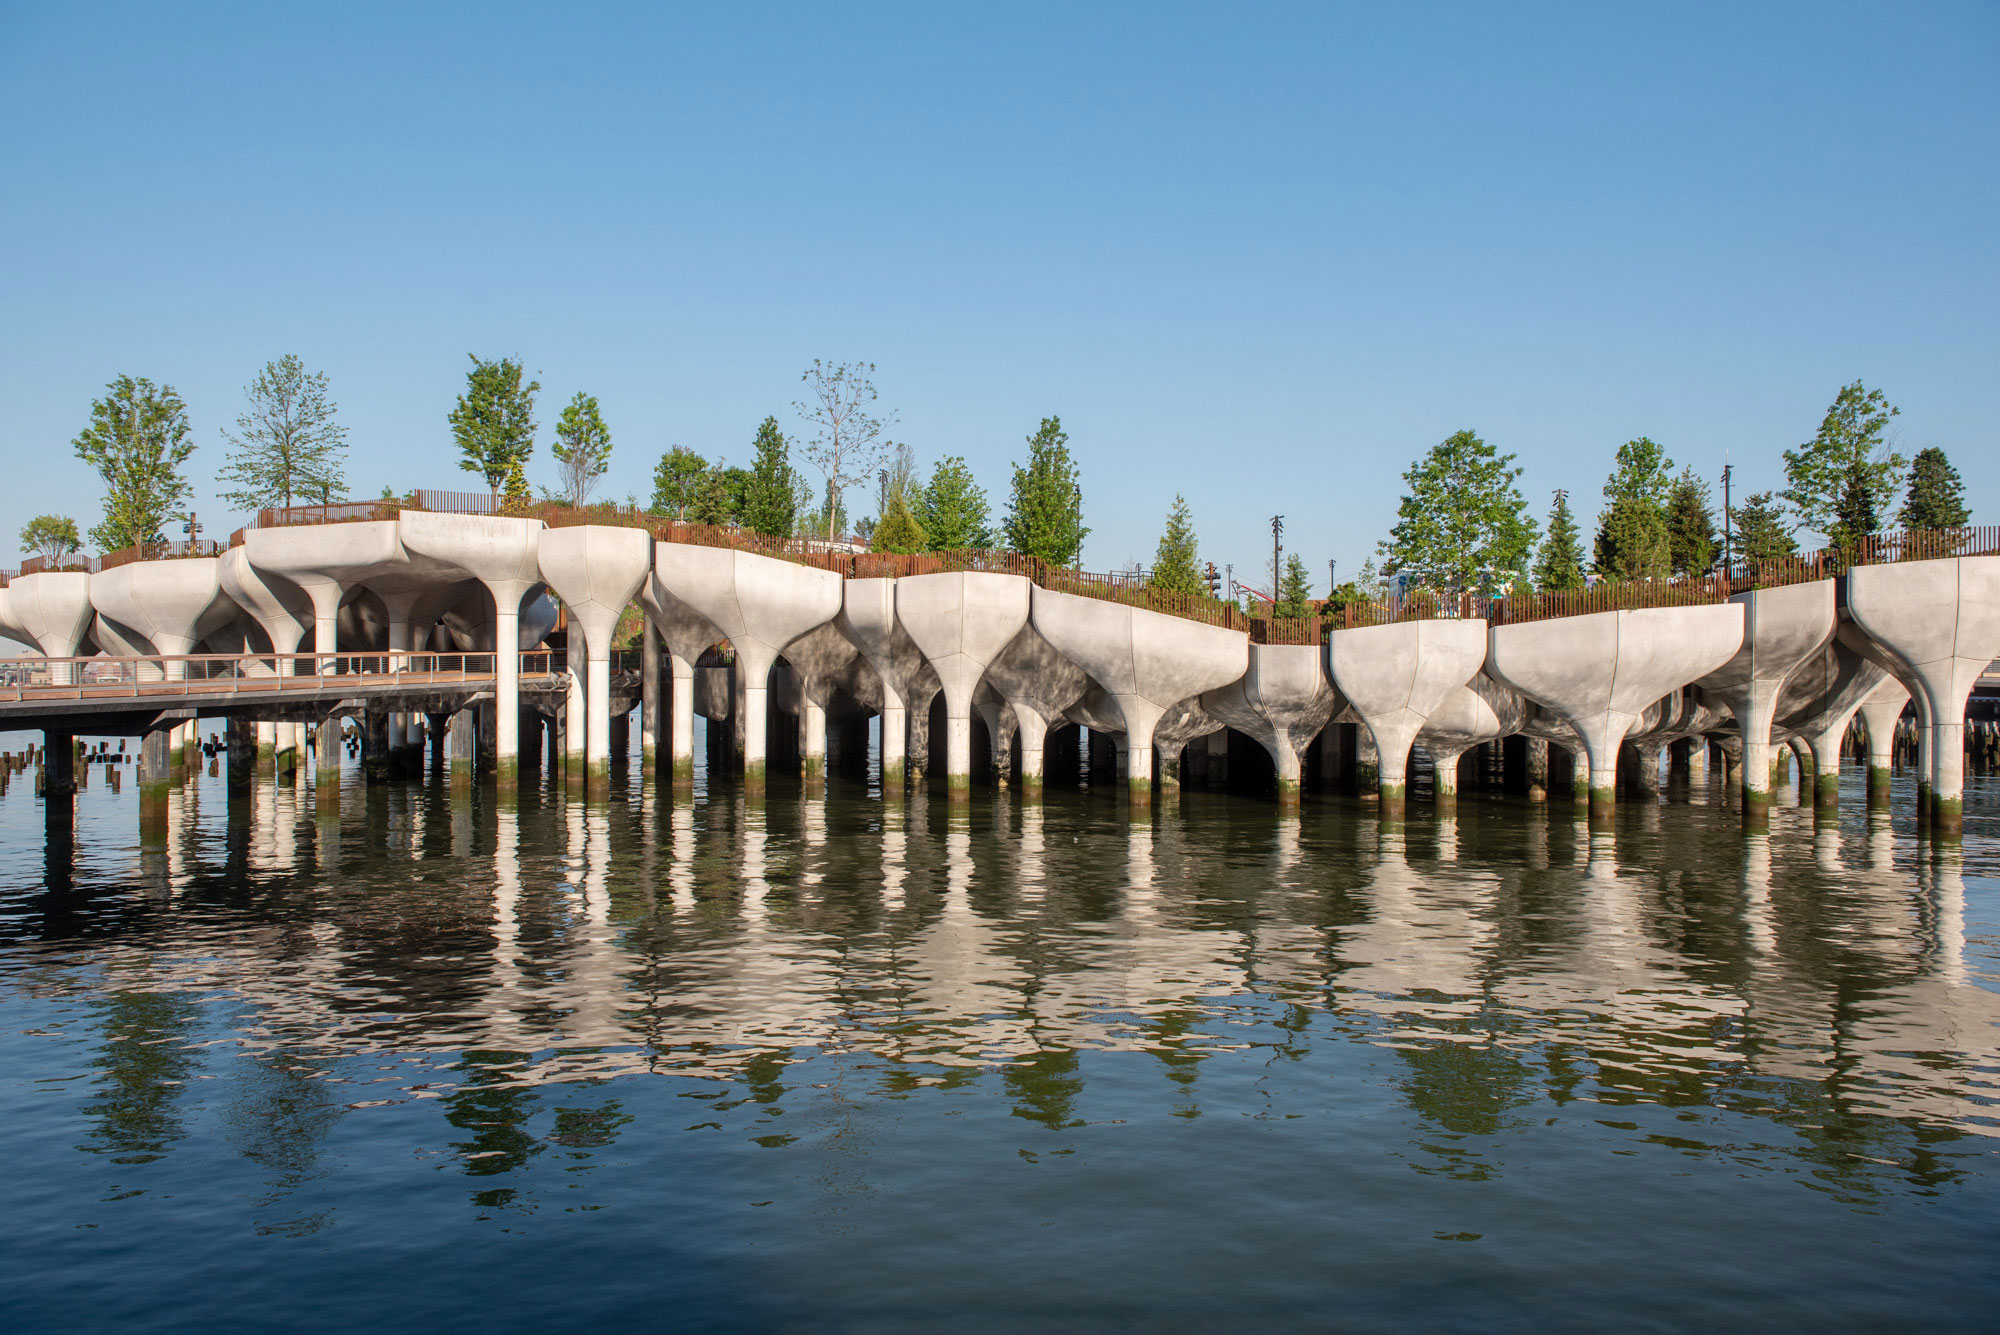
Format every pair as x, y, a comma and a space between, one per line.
1854, 516
1560, 562
494, 420
898, 530
137, 440
1632, 530
770, 491
677, 479
1462, 520
1177, 563
1045, 509
1295, 591
288, 447
1937, 497
1761, 531
951, 509
582, 448
713, 501
53, 538
1850, 437
1691, 542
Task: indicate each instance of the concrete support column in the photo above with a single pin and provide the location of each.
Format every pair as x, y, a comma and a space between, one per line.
1646, 771
267, 748
1826, 767
1802, 751
155, 783
1444, 784
1286, 758
1948, 776
683, 722
895, 749
375, 746
575, 713
59, 777
958, 755
1880, 724
242, 740
461, 747
812, 745
507, 688
1367, 761
597, 715
755, 702
1034, 732
1538, 769
326, 756
649, 695
1926, 761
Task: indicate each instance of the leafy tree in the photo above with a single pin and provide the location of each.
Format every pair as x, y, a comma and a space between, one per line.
952, 508
1691, 539
769, 499
714, 501
494, 422
1937, 497
1177, 563
847, 438
137, 440
582, 448
1632, 531
288, 446
676, 480
1854, 516
1463, 520
899, 530
1850, 436
1761, 531
1294, 591
53, 538
1045, 508
1559, 565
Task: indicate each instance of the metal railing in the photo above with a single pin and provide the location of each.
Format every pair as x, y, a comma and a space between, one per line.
114, 678
178, 550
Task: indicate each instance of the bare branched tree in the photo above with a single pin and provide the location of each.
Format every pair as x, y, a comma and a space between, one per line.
847, 442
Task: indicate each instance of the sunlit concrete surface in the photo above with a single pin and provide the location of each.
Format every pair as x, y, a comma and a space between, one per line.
1783, 629
1395, 677
960, 621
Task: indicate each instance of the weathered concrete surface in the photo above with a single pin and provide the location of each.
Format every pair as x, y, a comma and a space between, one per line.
1600, 672
1396, 677
821, 660
868, 618
1039, 685
998, 716
1282, 700
326, 560
171, 605
1941, 619
9, 627
687, 635
1817, 705
1184, 723
502, 554
1480, 711
960, 621
1147, 661
280, 607
54, 609
596, 569
1783, 629
761, 605
1880, 713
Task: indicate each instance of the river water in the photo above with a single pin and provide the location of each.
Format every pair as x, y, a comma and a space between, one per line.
836, 1065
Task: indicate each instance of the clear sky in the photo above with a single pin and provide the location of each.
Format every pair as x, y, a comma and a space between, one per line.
1261, 255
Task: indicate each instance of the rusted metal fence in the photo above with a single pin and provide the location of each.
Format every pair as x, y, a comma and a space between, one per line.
108, 677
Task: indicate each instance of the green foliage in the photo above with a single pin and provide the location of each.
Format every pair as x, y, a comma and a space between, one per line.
1761, 531
1937, 497
494, 422
53, 538
582, 448
1559, 565
1463, 520
1632, 530
769, 501
676, 480
1854, 514
952, 509
1045, 506
137, 440
1850, 437
714, 501
899, 530
1294, 591
847, 439
1177, 563
1691, 540
288, 446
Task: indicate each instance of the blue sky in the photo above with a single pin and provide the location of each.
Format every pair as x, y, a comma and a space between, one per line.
1261, 255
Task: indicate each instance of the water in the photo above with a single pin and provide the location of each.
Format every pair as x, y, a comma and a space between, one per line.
831, 1065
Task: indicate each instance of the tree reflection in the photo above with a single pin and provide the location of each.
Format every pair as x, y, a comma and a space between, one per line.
143, 1065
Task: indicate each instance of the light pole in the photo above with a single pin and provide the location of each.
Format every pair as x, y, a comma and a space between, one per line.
1277, 546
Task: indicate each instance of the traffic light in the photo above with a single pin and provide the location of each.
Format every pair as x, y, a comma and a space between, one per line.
1214, 582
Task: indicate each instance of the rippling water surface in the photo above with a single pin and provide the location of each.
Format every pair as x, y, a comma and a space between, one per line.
833, 1064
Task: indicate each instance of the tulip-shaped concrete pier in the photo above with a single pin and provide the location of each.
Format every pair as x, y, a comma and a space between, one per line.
1784, 629
687, 635
1480, 711
868, 618
1039, 686
1880, 713
596, 570
1282, 700
960, 621
1396, 677
53, 607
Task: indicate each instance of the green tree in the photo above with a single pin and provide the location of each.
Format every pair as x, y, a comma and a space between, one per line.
1463, 520
1632, 530
1045, 507
769, 503
1691, 539
137, 440
1294, 591
289, 445
53, 538
714, 500
494, 422
899, 530
847, 441
1559, 564
677, 478
1937, 497
952, 508
582, 448
1850, 437
1854, 515
1177, 562
1761, 531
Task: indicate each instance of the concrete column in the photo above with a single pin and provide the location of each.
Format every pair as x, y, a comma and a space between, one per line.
575, 713
1646, 770
1445, 783
326, 754
1034, 732
597, 714
1217, 743
267, 748
1697, 762
242, 740
461, 747
59, 777
1948, 775
507, 688
683, 721
375, 746
1880, 714
155, 783
812, 744
649, 695
1538, 769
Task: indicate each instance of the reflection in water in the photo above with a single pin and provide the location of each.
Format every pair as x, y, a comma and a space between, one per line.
516, 995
